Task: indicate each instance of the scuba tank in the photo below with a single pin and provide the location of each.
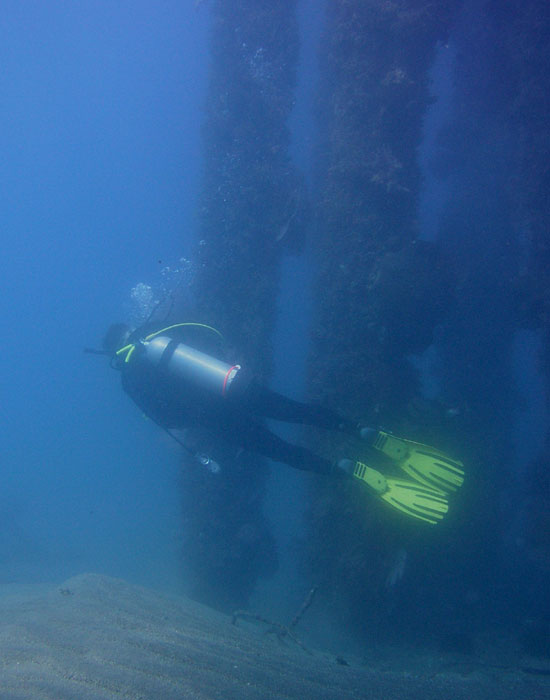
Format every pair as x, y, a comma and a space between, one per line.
194, 366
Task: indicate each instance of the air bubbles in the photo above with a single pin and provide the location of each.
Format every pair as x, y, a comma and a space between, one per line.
152, 302
143, 303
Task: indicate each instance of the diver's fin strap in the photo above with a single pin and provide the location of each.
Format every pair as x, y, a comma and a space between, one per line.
425, 464
371, 477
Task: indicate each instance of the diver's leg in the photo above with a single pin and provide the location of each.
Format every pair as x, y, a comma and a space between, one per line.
255, 437
270, 445
264, 402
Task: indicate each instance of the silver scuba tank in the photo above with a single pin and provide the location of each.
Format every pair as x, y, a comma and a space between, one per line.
192, 365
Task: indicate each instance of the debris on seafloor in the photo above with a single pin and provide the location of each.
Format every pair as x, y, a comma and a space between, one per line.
276, 628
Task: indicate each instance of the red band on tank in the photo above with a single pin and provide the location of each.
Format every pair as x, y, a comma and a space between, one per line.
226, 380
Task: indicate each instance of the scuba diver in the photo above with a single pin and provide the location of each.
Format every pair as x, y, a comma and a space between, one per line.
176, 378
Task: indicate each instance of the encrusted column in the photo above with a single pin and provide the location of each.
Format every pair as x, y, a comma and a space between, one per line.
247, 218
379, 290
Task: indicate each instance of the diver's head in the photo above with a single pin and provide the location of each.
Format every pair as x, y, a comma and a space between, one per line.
116, 337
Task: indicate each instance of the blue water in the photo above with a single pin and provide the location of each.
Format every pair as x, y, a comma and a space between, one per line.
100, 136
101, 153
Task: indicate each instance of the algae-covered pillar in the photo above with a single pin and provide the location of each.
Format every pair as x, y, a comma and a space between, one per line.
521, 96
495, 224
379, 291
247, 210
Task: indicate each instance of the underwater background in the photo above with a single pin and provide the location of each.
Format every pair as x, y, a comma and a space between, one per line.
356, 194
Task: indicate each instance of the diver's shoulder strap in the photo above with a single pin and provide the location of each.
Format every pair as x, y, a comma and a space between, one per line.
165, 331
124, 354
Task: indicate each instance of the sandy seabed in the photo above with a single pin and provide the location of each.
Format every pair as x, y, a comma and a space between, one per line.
99, 638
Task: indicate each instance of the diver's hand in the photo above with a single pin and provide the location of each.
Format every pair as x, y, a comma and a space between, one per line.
209, 463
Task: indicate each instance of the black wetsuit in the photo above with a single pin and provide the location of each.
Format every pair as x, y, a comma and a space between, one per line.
236, 418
